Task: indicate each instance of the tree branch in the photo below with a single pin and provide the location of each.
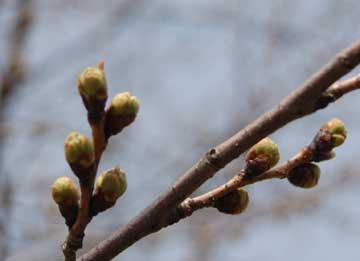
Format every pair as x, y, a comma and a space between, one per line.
190, 205
303, 101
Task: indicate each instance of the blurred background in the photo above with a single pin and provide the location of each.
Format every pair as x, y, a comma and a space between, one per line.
202, 70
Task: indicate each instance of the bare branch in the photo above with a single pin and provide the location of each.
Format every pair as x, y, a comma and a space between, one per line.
303, 101
15, 69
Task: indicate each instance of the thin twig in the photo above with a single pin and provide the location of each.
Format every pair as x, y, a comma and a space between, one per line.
77, 231
190, 205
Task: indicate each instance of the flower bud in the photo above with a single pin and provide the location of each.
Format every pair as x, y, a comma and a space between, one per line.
79, 154
305, 176
234, 202
65, 192
110, 185
337, 130
93, 88
121, 113
124, 104
262, 156
332, 134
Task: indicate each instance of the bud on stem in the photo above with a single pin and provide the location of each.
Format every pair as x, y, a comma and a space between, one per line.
305, 176
234, 202
331, 135
337, 130
93, 89
79, 153
66, 195
262, 156
110, 185
121, 113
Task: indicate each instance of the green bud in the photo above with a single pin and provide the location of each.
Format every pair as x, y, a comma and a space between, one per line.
305, 176
93, 88
121, 113
79, 153
262, 156
79, 149
124, 104
65, 192
337, 131
111, 184
92, 83
234, 202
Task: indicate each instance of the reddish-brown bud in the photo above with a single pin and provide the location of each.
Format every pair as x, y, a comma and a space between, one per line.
305, 176
234, 202
332, 134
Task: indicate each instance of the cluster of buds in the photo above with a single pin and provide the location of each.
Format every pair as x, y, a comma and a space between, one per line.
262, 156
80, 152
332, 134
93, 90
66, 195
265, 154
110, 185
233, 203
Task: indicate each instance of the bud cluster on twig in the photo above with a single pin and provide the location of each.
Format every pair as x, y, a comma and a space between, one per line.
261, 160
331, 135
83, 156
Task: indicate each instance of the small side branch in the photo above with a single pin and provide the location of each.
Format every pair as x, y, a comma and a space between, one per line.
76, 233
190, 205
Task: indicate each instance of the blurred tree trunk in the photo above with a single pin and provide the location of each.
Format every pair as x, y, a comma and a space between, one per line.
11, 78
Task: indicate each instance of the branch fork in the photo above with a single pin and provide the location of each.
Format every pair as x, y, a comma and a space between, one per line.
175, 204
306, 99
84, 155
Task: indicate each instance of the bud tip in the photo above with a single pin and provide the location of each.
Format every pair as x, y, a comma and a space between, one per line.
64, 191
111, 184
